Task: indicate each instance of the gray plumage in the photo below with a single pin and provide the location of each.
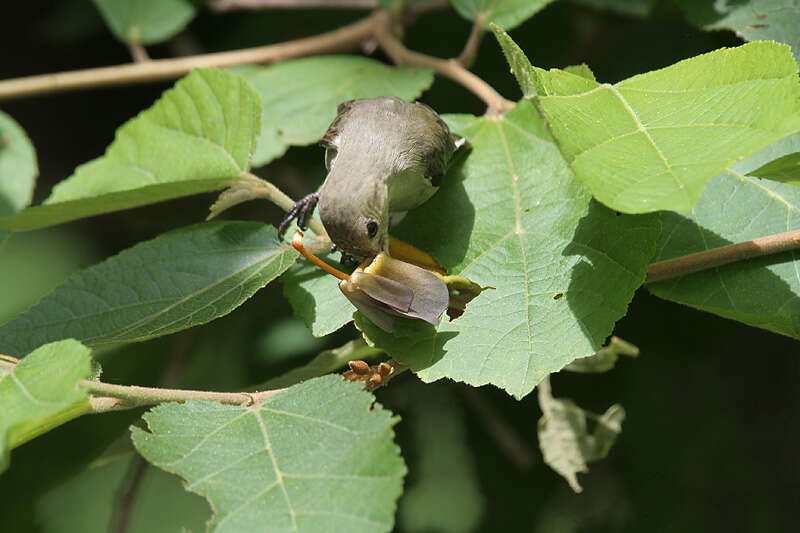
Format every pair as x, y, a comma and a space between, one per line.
385, 156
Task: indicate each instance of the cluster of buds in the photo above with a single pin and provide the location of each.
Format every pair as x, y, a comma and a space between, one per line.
372, 376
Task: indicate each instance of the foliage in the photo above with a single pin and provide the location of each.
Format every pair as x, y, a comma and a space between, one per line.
556, 207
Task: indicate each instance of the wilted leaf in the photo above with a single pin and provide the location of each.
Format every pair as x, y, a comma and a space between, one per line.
317, 457
735, 207
513, 217
752, 20
652, 141
18, 169
145, 21
194, 139
178, 280
505, 13
785, 169
300, 96
564, 437
41, 392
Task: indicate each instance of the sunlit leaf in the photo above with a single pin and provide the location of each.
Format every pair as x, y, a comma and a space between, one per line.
505, 13
652, 141
752, 20
605, 358
194, 139
316, 457
178, 280
300, 96
762, 292
513, 217
41, 392
145, 21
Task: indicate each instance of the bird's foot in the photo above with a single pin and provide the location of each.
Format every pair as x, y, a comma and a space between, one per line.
301, 210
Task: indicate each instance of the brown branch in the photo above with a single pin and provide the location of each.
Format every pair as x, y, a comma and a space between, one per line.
445, 67
467, 55
679, 266
345, 38
134, 396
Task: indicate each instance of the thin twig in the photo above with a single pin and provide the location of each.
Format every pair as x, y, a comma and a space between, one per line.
446, 67
679, 266
126, 497
134, 396
220, 6
467, 56
345, 38
138, 53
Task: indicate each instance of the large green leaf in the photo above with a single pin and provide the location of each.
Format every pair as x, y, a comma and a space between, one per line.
316, 457
178, 280
18, 169
735, 207
513, 217
505, 13
752, 20
652, 142
145, 21
195, 138
41, 392
300, 96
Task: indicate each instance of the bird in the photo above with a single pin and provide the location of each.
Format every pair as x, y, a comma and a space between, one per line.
384, 156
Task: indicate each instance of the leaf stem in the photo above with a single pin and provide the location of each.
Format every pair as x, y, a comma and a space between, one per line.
679, 266
345, 38
467, 55
231, 5
450, 68
134, 396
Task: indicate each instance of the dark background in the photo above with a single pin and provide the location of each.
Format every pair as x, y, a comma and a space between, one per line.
710, 438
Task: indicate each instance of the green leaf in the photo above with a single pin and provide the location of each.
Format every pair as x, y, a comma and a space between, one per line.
762, 292
752, 20
316, 298
512, 216
652, 142
145, 21
326, 362
300, 96
785, 169
18, 169
506, 13
639, 8
41, 392
194, 139
180, 279
565, 440
316, 457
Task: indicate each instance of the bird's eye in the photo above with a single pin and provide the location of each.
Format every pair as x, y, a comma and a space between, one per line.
372, 228
330, 157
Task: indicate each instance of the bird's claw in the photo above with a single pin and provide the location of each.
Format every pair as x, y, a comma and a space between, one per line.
301, 210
